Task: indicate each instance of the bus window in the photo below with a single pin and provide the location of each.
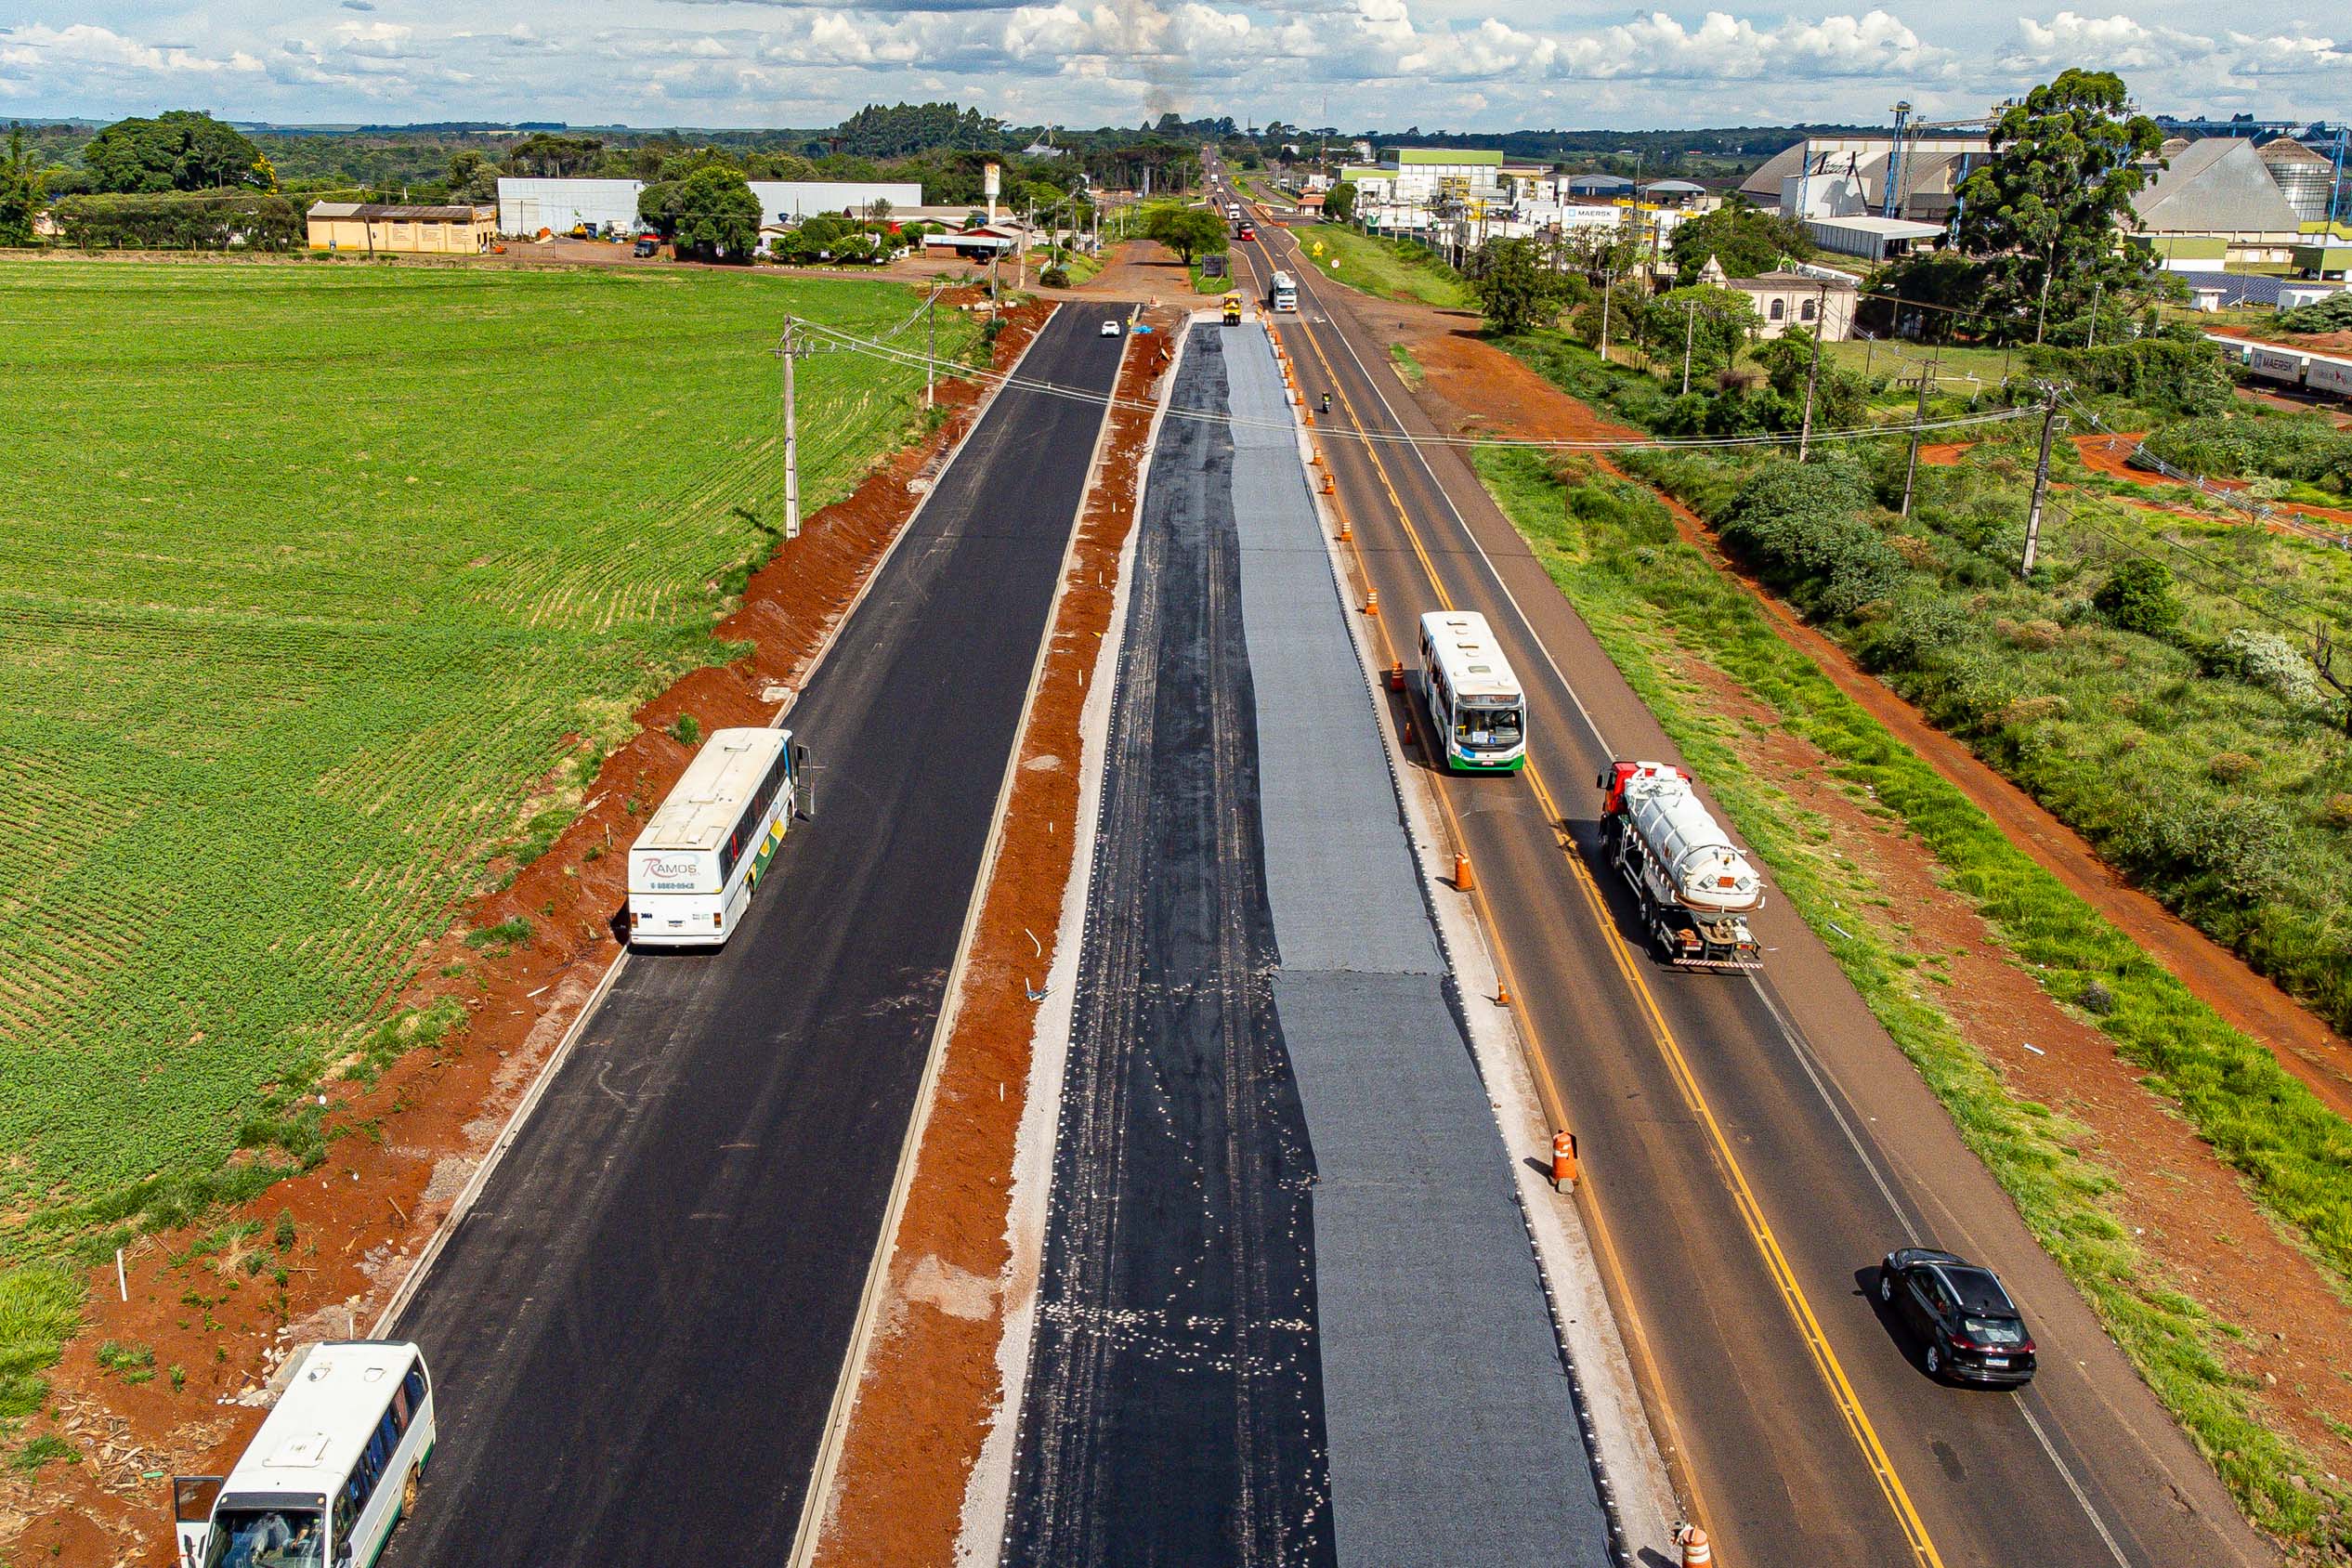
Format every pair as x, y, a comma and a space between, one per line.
267, 1538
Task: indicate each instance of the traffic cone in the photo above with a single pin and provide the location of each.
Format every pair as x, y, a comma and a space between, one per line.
1310, 416
1371, 601
1564, 1176
1696, 1554
1407, 737
1396, 676
1344, 534
1329, 489
1464, 878
1314, 454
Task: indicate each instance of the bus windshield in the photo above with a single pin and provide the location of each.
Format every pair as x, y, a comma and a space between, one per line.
248, 1538
1489, 727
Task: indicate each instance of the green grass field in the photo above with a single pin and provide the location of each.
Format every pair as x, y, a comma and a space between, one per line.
309, 570
1389, 269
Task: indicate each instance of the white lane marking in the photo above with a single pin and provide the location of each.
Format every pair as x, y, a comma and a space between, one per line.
1788, 1028
2113, 1551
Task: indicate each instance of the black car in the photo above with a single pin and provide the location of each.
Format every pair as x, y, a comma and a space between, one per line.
1974, 1332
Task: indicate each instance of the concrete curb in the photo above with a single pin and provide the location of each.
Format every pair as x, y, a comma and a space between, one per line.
1635, 1488
471, 1192
816, 1502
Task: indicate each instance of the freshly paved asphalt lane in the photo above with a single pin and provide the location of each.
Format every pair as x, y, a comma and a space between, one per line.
1840, 1150
1173, 1412
635, 1334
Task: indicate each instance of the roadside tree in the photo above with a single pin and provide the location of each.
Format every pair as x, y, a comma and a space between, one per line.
1744, 241
1713, 323
1515, 288
714, 215
179, 151
1189, 232
1339, 203
2044, 211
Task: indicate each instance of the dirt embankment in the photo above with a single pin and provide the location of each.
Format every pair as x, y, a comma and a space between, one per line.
216, 1306
928, 1391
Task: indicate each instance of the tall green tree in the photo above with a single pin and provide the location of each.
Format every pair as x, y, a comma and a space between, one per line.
1189, 232
180, 151
2044, 211
714, 215
1339, 203
1515, 287
21, 184
1713, 323
1744, 241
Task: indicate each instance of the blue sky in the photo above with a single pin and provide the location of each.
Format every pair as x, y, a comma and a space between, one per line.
1461, 64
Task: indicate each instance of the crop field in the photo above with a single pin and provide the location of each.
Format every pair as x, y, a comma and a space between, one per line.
308, 573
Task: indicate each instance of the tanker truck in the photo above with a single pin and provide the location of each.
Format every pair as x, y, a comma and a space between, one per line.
1695, 888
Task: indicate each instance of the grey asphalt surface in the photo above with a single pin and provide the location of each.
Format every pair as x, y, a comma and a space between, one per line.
636, 1332
1844, 1149
1289, 1311
1173, 1411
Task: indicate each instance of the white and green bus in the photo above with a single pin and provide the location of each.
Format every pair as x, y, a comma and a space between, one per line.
692, 871
1475, 703
334, 1466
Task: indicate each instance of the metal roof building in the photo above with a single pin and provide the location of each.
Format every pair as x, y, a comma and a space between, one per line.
526, 206
2219, 186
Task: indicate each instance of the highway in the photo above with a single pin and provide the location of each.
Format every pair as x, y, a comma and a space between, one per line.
1752, 1146
636, 1333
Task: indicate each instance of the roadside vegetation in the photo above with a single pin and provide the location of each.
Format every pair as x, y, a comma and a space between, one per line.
1658, 607
329, 588
1389, 269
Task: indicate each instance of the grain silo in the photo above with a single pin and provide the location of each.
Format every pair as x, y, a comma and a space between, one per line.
2304, 176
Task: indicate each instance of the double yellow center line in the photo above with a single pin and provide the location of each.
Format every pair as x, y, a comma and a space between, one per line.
1801, 1310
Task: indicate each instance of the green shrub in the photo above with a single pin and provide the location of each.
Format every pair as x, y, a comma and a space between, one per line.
2138, 597
2331, 315
1054, 278
1796, 523
2298, 447
2228, 767
685, 729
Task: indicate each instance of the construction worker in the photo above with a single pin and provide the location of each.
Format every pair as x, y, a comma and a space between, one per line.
1326, 402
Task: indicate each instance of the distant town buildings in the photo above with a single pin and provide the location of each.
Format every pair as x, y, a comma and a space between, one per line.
372, 227
526, 206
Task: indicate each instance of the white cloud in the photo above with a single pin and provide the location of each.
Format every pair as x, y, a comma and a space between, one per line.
1460, 63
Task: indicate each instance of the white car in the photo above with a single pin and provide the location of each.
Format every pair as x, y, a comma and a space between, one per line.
1110, 328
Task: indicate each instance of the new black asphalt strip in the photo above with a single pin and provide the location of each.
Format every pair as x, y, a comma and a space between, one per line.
1289, 1311
635, 1333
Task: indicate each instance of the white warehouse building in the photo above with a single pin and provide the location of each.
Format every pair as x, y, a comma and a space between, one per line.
526, 206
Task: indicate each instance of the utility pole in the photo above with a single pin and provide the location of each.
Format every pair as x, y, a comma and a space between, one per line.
2042, 312
1690, 326
2097, 284
1606, 278
1813, 374
790, 349
2041, 476
931, 348
1911, 468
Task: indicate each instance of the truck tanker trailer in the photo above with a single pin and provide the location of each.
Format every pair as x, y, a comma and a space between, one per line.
1695, 888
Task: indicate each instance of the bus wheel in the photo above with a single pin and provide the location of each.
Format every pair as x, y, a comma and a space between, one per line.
408, 1491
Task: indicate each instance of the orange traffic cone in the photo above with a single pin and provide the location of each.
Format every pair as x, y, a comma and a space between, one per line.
1314, 454
1310, 417
1407, 737
1344, 534
1696, 1554
1396, 676
1464, 878
1329, 489
1564, 1176
1371, 601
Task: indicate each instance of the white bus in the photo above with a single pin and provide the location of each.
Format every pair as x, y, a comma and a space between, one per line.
692, 871
1474, 700
334, 1466
1283, 295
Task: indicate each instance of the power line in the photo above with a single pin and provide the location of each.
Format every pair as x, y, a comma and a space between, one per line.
1399, 437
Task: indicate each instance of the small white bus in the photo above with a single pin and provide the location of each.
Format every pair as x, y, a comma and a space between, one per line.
334, 1466
692, 871
1474, 700
1283, 295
